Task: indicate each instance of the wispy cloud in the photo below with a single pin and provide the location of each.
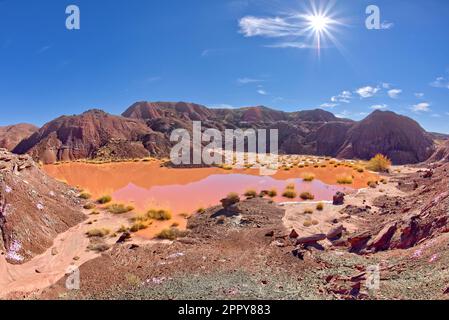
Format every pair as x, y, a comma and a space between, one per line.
329, 105
262, 92
294, 45
276, 27
394, 93
222, 106
367, 92
379, 107
43, 49
249, 80
419, 95
421, 107
440, 82
386, 25
345, 97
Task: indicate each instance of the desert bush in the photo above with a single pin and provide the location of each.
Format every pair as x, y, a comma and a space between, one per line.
160, 215
94, 213
104, 199
379, 163
308, 211
306, 196
99, 233
85, 195
289, 193
119, 208
307, 223
170, 234
372, 184
201, 210
89, 206
122, 229
315, 222
359, 169
99, 247
137, 226
272, 193
233, 197
290, 186
320, 206
250, 193
308, 177
344, 179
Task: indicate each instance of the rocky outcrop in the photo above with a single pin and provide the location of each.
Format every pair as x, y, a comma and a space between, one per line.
148, 125
34, 208
441, 154
11, 136
81, 136
399, 138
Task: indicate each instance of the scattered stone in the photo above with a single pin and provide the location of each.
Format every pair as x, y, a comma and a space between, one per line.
133, 246
335, 233
382, 240
339, 199
311, 239
294, 234
269, 234
125, 236
54, 251
359, 241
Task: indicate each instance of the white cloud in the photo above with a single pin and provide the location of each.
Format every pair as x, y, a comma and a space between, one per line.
329, 105
447, 113
440, 82
394, 93
294, 45
262, 92
343, 114
386, 85
421, 107
379, 107
345, 97
419, 95
248, 80
222, 106
367, 92
43, 49
386, 25
435, 115
251, 26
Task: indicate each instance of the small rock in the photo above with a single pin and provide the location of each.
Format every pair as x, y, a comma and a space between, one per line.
311, 239
54, 251
269, 234
294, 234
335, 233
125, 236
339, 199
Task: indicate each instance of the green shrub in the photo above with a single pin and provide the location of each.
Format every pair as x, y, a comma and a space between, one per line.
170, 234
104, 199
100, 233
308, 177
119, 208
89, 206
379, 163
85, 195
160, 215
250, 193
272, 193
137, 226
306, 196
289, 193
344, 179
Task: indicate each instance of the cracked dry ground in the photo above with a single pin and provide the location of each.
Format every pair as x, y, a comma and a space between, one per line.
251, 255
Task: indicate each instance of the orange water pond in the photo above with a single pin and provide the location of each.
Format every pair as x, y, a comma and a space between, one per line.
146, 185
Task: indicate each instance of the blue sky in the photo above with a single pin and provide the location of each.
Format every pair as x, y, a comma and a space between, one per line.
224, 53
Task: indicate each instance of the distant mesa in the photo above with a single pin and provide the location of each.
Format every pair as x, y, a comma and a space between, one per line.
145, 127
11, 136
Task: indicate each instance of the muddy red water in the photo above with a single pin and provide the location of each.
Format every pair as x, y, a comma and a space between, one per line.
185, 190
147, 185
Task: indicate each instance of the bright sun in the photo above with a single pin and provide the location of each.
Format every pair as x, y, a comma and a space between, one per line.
318, 23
